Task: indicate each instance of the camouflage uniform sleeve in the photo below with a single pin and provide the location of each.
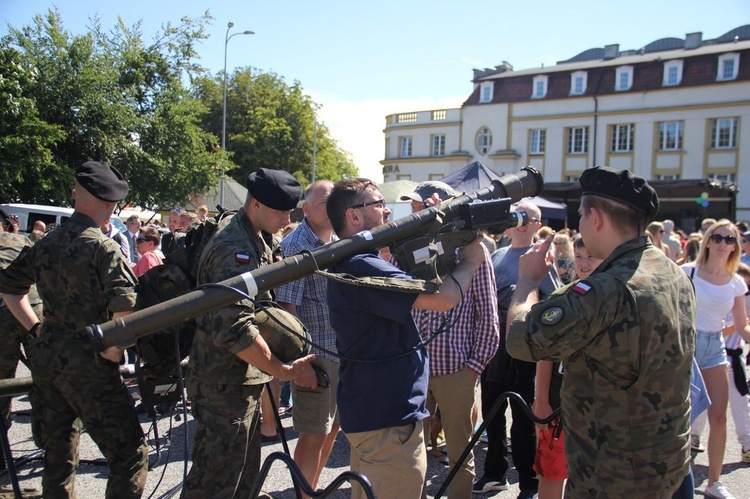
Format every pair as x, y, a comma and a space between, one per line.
116, 276
231, 327
568, 321
18, 276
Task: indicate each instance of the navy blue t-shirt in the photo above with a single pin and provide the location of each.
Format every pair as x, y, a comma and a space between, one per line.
374, 324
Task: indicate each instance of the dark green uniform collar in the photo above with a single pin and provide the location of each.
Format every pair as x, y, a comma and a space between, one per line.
636, 244
83, 219
252, 232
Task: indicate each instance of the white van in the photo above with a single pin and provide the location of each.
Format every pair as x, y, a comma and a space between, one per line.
29, 213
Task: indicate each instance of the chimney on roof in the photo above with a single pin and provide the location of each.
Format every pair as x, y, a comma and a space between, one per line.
611, 51
693, 40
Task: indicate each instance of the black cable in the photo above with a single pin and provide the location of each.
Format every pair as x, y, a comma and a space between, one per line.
259, 304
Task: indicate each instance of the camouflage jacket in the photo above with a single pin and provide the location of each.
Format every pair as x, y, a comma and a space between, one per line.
221, 334
11, 245
626, 337
80, 274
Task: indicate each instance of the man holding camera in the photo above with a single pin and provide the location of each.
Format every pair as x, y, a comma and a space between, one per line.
383, 375
467, 338
626, 336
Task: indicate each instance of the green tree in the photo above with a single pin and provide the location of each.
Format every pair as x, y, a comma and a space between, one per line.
27, 169
114, 98
270, 123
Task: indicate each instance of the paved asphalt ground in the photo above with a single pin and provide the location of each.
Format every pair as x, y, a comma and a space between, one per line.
165, 477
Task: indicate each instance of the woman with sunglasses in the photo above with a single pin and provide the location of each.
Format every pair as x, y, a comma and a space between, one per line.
719, 291
147, 243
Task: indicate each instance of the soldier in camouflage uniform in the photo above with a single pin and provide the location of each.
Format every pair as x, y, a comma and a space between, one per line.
626, 337
83, 279
12, 333
229, 360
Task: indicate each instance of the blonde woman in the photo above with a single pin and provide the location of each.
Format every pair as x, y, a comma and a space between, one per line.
719, 291
656, 233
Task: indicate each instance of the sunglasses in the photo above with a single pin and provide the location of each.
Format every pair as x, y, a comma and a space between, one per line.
140, 240
381, 202
727, 239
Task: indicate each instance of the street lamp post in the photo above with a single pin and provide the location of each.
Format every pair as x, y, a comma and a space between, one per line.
224, 107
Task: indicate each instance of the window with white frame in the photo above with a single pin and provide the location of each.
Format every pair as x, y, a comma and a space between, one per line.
578, 140
724, 133
539, 90
623, 78
721, 177
729, 65
672, 73
405, 147
438, 145
484, 140
670, 135
537, 141
578, 83
622, 138
485, 92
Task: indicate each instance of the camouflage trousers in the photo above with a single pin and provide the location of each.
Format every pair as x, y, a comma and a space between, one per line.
226, 449
12, 336
74, 385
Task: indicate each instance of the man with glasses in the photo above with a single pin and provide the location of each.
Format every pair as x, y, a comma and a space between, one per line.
383, 374
506, 374
745, 245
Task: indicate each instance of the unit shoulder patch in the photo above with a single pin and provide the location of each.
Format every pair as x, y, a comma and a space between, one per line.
552, 315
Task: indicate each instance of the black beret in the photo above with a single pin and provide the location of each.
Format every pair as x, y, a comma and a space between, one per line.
5, 218
620, 185
277, 189
102, 180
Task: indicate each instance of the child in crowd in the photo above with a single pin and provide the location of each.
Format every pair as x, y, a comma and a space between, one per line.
549, 463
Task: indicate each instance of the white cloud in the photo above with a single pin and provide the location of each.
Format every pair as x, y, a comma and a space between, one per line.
358, 125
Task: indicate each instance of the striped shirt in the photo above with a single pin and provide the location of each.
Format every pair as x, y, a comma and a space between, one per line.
309, 294
472, 333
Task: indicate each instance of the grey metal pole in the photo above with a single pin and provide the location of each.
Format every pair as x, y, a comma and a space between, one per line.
224, 107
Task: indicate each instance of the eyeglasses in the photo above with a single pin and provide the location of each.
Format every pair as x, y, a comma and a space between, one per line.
661, 231
381, 202
727, 239
140, 240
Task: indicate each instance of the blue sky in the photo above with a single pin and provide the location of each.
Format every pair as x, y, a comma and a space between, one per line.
363, 60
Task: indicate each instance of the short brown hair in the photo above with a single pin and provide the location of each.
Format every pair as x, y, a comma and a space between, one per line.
345, 194
626, 216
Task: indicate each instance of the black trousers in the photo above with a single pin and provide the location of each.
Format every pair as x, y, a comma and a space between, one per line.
507, 374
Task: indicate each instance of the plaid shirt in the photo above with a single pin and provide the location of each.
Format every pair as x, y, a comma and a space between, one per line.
309, 294
473, 327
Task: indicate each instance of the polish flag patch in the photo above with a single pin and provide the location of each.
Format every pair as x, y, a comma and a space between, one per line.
581, 288
242, 258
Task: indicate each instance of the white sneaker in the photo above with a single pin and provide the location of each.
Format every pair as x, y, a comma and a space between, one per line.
718, 490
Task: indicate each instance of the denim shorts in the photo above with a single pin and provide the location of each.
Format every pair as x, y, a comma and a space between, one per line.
709, 350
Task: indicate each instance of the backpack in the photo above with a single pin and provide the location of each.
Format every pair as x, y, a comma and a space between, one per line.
175, 277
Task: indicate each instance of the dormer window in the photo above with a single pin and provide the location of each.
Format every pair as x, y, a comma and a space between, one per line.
485, 92
539, 89
623, 78
672, 73
578, 83
729, 65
